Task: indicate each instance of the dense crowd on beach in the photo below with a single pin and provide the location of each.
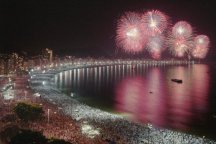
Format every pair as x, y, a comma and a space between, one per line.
62, 127
59, 126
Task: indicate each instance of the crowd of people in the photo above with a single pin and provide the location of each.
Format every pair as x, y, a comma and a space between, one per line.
59, 126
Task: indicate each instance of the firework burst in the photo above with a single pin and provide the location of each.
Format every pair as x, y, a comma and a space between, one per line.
180, 46
182, 29
201, 46
135, 32
201, 41
154, 22
180, 39
129, 34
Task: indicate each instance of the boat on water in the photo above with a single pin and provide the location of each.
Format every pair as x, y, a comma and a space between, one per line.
177, 80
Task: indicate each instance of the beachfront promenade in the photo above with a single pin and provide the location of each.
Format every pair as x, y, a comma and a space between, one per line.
94, 122
68, 64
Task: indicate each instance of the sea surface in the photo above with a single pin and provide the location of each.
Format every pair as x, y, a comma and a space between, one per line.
146, 94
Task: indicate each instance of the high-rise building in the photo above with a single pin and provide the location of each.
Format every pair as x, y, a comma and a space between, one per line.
15, 63
3, 64
47, 55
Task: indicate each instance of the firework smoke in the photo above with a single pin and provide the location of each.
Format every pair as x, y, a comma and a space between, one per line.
156, 45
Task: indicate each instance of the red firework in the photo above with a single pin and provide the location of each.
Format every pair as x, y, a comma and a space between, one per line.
154, 22
201, 43
180, 39
129, 34
182, 29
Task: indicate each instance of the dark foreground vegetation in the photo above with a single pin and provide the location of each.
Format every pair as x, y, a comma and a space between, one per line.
13, 134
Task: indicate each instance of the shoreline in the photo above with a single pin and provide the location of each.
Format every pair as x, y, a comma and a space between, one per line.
118, 128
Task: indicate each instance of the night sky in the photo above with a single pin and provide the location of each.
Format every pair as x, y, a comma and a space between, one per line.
87, 27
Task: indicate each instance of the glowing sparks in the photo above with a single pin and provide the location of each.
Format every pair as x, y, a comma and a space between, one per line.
180, 39
182, 29
180, 46
132, 33
135, 32
201, 43
129, 34
154, 22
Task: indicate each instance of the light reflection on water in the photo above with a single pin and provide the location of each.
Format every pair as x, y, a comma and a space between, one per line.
156, 99
144, 93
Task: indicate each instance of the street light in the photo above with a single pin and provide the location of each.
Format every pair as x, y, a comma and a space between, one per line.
48, 115
149, 128
25, 92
